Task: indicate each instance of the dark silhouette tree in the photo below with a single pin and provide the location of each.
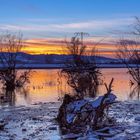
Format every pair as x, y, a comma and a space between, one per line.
10, 46
129, 52
81, 70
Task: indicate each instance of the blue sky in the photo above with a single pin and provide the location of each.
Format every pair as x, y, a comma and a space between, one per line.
60, 18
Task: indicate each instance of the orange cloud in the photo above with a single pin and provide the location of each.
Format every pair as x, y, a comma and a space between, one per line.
43, 46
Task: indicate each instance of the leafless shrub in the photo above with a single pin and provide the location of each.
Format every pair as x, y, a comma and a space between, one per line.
10, 46
129, 52
81, 71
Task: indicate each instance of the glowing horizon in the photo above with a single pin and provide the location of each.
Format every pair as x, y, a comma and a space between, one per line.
37, 46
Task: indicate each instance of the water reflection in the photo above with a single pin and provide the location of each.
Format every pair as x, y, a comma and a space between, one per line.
135, 92
7, 98
10, 97
48, 86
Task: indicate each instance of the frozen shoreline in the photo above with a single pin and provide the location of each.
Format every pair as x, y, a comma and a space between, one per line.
37, 122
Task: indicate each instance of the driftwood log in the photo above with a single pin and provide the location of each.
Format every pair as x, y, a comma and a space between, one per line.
88, 111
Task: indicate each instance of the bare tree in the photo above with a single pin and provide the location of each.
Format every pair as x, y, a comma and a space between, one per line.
10, 46
81, 72
129, 52
81, 34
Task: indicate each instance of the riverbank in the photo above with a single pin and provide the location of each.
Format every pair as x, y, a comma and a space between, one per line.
37, 122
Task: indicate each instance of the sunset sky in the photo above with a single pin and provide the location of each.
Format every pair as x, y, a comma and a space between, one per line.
45, 23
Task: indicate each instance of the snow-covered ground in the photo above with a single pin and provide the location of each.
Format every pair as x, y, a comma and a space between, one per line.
37, 122
30, 123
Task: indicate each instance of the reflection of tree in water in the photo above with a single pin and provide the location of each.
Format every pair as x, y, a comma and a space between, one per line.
8, 97
81, 72
60, 87
24, 92
135, 92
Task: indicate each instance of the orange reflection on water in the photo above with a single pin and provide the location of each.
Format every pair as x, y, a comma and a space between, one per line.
48, 86
121, 83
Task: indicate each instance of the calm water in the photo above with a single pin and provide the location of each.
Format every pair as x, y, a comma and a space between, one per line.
47, 86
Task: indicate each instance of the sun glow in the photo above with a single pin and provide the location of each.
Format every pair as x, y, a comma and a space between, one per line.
41, 46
